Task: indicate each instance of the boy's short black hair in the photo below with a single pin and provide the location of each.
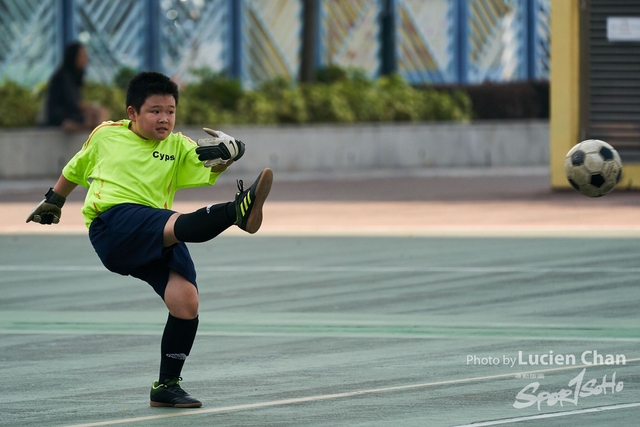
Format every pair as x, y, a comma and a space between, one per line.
148, 83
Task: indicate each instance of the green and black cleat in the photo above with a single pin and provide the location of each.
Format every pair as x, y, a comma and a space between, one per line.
249, 203
171, 394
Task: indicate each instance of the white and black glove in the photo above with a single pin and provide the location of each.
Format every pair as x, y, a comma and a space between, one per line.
219, 149
49, 210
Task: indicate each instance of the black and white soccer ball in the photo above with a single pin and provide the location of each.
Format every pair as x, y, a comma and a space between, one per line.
593, 167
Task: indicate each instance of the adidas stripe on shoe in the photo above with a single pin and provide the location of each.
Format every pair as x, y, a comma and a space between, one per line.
249, 202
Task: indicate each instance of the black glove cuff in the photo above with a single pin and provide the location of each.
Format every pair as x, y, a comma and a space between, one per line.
240, 145
54, 198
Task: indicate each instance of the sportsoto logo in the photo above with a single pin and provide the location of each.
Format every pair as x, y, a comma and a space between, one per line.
577, 388
165, 157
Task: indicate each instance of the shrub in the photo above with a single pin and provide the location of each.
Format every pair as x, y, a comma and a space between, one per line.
110, 97
19, 106
343, 96
400, 101
215, 88
442, 106
331, 74
326, 104
256, 108
122, 77
287, 99
362, 95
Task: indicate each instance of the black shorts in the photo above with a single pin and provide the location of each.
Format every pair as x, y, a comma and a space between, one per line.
128, 240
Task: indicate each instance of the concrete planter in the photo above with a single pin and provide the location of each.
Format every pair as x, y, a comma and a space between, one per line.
41, 153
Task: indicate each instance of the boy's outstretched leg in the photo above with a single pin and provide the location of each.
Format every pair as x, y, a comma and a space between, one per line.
208, 222
249, 202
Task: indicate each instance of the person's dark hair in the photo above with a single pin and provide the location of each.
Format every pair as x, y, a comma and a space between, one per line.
148, 83
69, 62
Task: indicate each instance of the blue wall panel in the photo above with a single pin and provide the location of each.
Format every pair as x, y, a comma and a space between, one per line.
271, 39
435, 41
31, 40
194, 34
350, 34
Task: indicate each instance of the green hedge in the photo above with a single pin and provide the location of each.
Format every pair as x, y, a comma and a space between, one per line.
19, 106
338, 96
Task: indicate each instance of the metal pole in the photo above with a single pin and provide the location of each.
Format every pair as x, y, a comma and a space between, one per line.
388, 56
531, 22
310, 40
152, 60
235, 9
68, 29
462, 42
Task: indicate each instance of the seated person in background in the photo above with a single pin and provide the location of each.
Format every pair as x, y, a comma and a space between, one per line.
64, 105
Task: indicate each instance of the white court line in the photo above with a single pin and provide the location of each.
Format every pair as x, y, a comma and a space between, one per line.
349, 269
553, 415
330, 396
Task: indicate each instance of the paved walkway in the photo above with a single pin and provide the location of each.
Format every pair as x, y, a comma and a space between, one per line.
421, 202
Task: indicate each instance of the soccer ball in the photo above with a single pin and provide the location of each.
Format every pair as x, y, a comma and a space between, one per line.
593, 167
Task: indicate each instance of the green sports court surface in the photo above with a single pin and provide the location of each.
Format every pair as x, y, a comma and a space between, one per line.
300, 326
331, 331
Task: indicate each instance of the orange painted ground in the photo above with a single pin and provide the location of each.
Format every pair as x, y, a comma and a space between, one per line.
471, 205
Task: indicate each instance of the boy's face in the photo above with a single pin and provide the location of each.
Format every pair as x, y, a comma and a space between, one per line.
156, 117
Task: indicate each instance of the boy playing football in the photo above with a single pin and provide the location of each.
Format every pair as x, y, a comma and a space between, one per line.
133, 169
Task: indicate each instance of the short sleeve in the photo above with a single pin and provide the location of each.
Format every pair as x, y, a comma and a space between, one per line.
80, 167
191, 171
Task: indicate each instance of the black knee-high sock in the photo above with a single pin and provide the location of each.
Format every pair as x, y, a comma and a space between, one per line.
206, 223
176, 344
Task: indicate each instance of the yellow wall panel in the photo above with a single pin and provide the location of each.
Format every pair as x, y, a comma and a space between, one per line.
565, 85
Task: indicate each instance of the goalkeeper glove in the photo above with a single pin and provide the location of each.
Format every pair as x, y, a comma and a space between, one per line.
217, 150
49, 210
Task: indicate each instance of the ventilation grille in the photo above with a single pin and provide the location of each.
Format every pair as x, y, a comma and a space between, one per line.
613, 80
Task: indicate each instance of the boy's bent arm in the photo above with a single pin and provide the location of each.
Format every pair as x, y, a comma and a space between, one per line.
64, 187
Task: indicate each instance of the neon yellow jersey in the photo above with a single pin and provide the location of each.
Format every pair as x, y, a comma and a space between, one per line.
117, 166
